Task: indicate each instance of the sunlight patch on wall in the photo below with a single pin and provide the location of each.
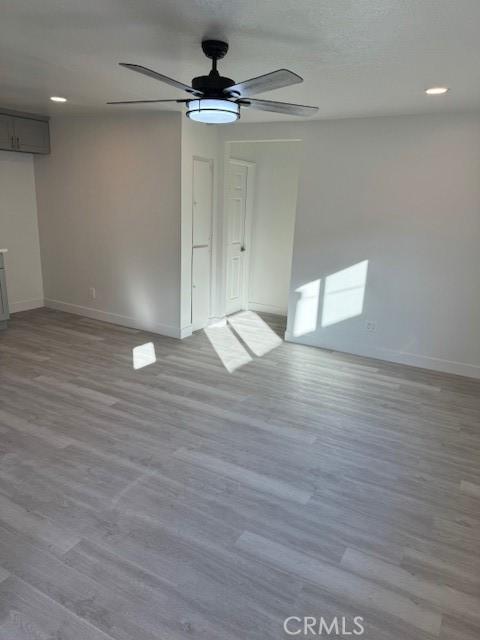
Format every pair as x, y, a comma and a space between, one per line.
306, 310
228, 348
144, 355
344, 294
255, 332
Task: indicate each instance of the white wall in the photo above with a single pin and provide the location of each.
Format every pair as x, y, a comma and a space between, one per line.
109, 215
404, 194
19, 231
201, 141
277, 167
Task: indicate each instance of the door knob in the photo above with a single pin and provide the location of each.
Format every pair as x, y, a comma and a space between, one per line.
242, 248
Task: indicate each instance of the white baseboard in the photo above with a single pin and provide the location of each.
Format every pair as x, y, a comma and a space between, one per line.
115, 318
400, 357
186, 332
267, 308
26, 305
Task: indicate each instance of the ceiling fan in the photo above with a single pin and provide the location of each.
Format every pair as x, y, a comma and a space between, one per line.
216, 99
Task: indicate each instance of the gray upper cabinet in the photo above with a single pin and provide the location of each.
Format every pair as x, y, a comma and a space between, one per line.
6, 132
28, 134
31, 135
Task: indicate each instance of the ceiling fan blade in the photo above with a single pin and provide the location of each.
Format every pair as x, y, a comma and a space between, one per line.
267, 82
143, 101
279, 107
159, 76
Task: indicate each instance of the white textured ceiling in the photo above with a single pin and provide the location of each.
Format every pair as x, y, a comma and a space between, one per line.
357, 57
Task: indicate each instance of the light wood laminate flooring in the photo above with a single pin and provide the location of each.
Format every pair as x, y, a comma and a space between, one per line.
157, 489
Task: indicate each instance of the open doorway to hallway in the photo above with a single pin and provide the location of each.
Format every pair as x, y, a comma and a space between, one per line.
261, 186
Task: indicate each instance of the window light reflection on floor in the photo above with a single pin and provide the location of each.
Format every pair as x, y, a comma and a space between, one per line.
254, 332
239, 337
227, 346
144, 355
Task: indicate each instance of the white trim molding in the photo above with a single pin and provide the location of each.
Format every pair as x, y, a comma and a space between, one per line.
267, 308
186, 332
115, 318
26, 305
401, 357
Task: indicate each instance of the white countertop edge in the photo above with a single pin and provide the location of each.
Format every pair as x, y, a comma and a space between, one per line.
3, 250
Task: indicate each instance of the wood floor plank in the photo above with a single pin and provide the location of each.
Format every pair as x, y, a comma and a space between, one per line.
442, 597
246, 476
55, 440
362, 592
45, 615
83, 596
77, 389
470, 488
36, 526
4, 574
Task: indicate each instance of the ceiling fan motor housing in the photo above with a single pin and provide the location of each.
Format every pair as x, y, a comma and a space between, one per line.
213, 85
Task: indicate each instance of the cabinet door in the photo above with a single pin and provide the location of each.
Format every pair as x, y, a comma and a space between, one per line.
32, 135
6, 132
4, 315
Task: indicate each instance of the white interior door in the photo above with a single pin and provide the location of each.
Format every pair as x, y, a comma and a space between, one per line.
238, 204
201, 241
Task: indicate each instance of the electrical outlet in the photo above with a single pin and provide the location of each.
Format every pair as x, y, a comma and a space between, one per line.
371, 326
92, 293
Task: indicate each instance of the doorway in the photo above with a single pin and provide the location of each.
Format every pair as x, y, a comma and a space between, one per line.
202, 189
261, 187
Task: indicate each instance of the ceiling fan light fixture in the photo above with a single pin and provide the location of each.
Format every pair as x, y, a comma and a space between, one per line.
213, 111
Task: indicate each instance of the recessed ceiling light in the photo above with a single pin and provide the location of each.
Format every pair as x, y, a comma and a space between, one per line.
58, 99
436, 91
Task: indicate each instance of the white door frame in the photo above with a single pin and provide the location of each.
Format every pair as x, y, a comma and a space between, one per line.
210, 162
251, 167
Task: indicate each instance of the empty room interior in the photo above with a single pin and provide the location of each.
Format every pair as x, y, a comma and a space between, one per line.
239, 319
